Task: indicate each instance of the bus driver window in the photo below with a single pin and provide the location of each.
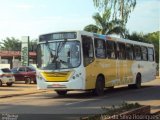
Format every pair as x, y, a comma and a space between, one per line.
75, 55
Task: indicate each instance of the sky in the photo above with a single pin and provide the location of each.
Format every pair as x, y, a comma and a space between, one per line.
34, 17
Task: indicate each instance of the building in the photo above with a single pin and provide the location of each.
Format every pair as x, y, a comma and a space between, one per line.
13, 58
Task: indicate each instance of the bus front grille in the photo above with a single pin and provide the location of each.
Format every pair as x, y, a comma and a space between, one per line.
56, 76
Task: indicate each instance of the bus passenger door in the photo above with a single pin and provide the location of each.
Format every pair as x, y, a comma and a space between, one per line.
111, 70
121, 63
129, 62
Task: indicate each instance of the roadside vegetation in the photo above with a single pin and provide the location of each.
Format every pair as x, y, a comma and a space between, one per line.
14, 44
148, 38
114, 110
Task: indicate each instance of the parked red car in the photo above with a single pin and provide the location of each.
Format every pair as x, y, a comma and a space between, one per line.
24, 73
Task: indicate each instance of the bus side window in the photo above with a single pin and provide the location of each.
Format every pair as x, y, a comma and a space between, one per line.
100, 48
129, 52
88, 53
137, 52
150, 54
121, 51
144, 53
111, 48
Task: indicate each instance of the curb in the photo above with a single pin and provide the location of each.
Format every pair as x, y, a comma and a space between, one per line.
22, 94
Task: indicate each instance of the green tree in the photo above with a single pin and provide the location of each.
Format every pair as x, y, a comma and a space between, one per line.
148, 38
136, 37
11, 44
91, 28
103, 25
120, 8
154, 39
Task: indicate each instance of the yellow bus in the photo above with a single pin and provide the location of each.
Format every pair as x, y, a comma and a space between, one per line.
80, 60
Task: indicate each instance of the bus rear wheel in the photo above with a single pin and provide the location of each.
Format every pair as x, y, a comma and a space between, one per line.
61, 92
137, 84
99, 88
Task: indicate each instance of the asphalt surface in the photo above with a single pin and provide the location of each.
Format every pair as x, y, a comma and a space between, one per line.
75, 104
19, 89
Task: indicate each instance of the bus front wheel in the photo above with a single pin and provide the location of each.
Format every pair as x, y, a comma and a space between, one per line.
61, 92
99, 88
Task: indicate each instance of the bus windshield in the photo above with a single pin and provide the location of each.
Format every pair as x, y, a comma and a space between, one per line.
58, 55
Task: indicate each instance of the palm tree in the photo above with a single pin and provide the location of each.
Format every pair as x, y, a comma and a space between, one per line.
104, 26
91, 28
120, 8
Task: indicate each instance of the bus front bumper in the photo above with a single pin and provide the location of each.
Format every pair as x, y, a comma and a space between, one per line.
76, 84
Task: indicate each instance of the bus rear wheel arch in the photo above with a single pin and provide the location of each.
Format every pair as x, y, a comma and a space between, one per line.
99, 86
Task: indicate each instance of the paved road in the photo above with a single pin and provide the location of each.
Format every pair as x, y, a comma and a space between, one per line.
18, 89
81, 103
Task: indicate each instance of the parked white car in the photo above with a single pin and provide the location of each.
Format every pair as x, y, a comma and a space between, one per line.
6, 77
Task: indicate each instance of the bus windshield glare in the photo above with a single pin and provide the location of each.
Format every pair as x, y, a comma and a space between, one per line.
58, 55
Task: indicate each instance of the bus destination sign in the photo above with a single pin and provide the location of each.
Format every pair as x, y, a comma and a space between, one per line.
58, 36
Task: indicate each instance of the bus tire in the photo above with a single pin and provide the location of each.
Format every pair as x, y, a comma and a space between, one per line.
99, 87
61, 92
137, 85
138, 81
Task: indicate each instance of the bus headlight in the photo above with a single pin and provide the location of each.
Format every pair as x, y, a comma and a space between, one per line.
39, 76
72, 75
76, 75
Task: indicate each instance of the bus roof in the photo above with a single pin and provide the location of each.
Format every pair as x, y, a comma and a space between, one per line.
108, 37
